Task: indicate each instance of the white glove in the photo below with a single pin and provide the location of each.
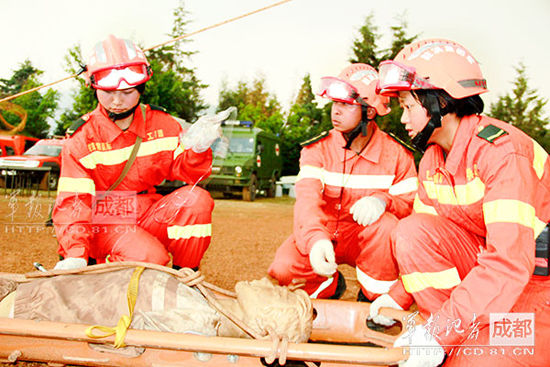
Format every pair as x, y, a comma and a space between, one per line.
70, 263
322, 258
383, 301
205, 131
367, 210
425, 351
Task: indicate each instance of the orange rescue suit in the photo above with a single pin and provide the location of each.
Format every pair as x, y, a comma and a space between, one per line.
468, 250
330, 181
92, 160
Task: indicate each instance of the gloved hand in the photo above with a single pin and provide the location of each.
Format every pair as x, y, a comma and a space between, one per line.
322, 258
367, 210
383, 301
205, 131
70, 263
425, 350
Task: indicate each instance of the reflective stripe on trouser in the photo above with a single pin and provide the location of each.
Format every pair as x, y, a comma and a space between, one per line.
188, 210
479, 352
366, 248
182, 221
434, 255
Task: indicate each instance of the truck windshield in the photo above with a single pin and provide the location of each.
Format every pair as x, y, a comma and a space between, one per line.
49, 150
241, 145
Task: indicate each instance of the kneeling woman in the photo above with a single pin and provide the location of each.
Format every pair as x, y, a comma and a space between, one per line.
468, 250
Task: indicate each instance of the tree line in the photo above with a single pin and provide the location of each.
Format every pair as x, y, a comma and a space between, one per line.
175, 86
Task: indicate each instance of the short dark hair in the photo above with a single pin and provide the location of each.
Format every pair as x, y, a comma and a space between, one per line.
472, 105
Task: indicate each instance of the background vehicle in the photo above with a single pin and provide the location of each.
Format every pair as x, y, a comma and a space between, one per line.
31, 164
253, 162
15, 144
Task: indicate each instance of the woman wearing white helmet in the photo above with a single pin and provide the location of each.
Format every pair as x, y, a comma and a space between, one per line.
124, 149
468, 251
354, 183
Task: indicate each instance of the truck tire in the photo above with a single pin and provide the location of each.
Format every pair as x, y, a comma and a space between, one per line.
249, 192
272, 189
53, 180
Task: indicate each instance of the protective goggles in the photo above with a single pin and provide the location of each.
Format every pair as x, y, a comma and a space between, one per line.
395, 77
338, 90
122, 77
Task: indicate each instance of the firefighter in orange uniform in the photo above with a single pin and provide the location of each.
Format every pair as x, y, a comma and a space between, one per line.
354, 183
477, 241
121, 225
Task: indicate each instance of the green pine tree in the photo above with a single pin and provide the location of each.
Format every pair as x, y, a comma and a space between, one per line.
524, 109
40, 108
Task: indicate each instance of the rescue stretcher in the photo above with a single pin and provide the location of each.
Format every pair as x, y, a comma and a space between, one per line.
340, 337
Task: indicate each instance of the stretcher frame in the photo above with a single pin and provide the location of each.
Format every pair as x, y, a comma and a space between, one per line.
340, 337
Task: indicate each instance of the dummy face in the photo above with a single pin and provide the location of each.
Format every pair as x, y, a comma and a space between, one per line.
414, 117
118, 101
345, 116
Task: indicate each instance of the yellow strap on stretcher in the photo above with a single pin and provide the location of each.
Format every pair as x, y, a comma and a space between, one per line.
125, 320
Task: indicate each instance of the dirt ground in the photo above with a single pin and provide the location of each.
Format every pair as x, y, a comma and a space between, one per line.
245, 236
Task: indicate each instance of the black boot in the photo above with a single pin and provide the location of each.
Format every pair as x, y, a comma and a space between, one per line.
340, 287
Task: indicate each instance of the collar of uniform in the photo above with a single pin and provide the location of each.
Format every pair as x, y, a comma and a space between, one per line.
461, 141
373, 149
112, 131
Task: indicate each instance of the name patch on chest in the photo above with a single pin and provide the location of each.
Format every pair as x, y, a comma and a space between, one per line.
155, 134
97, 146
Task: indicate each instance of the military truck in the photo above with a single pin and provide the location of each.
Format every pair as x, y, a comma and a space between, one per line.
252, 164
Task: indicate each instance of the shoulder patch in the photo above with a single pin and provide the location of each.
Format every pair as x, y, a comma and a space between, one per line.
76, 125
491, 133
157, 108
401, 142
315, 139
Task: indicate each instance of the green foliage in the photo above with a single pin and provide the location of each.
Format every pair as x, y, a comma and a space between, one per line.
523, 109
365, 50
305, 120
39, 107
254, 103
173, 85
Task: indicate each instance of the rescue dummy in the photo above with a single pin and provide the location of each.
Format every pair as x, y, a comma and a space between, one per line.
468, 251
97, 216
163, 303
354, 183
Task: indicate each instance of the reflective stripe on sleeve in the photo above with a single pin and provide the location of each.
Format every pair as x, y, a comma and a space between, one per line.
78, 185
179, 150
404, 187
416, 282
512, 211
118, 156
193, 230
467, 194
322, 287
373, 285
539, 159
310, 172
420, 207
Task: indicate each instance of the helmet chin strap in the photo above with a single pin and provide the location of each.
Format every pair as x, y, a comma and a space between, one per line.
360, 128
120, 116
420, 141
